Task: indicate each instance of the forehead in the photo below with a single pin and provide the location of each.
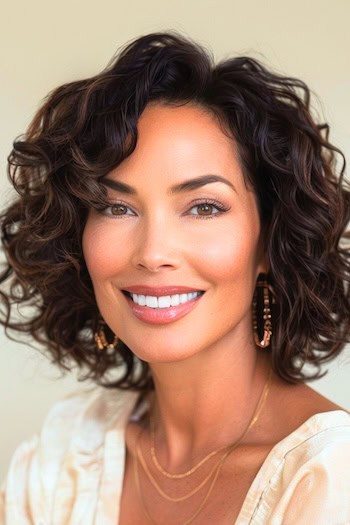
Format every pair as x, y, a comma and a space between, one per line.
190, 126
178, 143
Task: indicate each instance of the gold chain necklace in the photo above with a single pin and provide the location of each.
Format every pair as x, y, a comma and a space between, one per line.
193, 469
188, 521
159, 489
216, 469
180, 475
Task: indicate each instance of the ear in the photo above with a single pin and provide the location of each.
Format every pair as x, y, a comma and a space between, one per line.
264, 266
263, 263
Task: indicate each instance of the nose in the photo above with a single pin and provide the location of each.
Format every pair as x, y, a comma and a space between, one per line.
156, 246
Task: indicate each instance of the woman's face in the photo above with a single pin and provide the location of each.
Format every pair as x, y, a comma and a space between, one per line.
162, 230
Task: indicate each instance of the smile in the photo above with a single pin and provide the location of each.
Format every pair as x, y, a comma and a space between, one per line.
165, 301
162, 309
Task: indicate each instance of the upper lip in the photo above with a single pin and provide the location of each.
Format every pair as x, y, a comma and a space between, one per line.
158, 291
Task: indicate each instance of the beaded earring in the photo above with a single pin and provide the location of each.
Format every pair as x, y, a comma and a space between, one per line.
101, 339
263, 285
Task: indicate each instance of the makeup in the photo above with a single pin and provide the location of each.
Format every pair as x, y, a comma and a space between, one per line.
162, 315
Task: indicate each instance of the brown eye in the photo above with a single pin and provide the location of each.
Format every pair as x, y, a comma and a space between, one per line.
208, 209
118, 209
205, 209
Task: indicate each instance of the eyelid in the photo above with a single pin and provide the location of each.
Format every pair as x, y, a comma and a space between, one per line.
109, 206
222, 208
208, 200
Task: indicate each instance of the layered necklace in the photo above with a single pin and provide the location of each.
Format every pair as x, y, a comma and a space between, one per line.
209, 479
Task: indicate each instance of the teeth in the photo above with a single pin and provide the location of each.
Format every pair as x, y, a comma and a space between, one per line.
164, 301
141, 300
151, 301
175, 300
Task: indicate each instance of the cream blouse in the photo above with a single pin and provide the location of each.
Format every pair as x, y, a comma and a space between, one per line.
72, 473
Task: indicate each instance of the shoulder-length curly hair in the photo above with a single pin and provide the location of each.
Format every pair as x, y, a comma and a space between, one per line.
86, 128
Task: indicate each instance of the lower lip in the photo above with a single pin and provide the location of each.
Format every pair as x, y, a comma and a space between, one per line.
162, 315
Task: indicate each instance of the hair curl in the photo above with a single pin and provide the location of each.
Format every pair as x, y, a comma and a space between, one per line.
84, 129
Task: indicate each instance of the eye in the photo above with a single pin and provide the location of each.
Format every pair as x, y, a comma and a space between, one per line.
117, 209
206, 207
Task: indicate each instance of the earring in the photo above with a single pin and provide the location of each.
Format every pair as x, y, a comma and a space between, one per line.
265, 341
101, 339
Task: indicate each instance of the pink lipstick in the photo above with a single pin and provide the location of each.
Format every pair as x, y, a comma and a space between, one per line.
158, 291
163, 315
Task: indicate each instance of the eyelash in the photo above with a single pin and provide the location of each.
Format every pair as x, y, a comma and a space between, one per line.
221, 207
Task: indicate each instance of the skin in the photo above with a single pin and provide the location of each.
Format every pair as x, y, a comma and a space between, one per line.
208, 357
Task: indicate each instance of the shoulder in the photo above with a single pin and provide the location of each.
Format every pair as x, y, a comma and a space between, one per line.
319, 440
300, 402
306, 476
84, 417
72, 438
316, 475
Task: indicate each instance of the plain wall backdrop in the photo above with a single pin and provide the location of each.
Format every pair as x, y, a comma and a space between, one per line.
45, 43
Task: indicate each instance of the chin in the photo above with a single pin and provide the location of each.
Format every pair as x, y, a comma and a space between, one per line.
163, 355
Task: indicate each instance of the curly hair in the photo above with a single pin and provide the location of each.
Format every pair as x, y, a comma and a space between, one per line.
84, 129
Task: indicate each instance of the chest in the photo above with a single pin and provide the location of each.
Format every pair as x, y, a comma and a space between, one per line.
221, 505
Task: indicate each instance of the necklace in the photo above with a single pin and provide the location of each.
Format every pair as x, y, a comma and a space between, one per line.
180, 475
205, 459
159, 489
216, 470
188, 521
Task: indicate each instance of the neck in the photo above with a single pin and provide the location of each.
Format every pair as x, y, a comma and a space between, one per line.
218, 390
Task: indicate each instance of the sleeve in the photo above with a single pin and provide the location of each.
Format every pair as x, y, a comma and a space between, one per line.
15, 499
318, 491
28, 492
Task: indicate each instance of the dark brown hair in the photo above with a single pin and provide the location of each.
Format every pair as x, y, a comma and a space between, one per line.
86, 128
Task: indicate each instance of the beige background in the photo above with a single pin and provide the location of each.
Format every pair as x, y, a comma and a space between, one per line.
45, 43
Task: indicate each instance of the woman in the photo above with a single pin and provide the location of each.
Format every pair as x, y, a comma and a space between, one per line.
180, 222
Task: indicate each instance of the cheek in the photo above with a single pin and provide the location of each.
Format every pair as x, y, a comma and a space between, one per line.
232, 270
102, 252
230, 255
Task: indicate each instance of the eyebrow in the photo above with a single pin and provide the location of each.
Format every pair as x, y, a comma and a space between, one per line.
183, 187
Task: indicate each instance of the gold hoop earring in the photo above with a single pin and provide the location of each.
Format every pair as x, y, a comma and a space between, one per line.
267, 324
101, 339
